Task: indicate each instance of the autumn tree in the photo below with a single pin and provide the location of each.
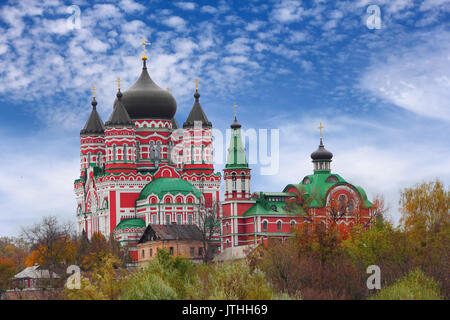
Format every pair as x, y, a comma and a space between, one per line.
209, 224
104, 283
426, 221
7, 271
425, 206
51, 242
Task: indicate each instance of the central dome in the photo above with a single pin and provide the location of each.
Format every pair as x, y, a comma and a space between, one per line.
145, 100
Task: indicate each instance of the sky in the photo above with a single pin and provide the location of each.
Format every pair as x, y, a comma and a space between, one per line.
381, 91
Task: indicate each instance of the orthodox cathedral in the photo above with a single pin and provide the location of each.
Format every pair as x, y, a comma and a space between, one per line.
140, 168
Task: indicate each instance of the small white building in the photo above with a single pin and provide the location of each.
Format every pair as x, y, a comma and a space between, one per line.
32, 277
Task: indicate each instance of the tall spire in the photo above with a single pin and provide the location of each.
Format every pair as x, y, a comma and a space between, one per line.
120, 116
94, 124
236, 152
197, 113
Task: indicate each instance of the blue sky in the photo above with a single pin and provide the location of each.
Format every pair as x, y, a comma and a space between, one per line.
382, 94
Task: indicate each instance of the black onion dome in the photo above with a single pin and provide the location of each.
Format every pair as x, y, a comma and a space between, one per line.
119, 116
235, 124
197, 114
94, 124
145, 100
321, 153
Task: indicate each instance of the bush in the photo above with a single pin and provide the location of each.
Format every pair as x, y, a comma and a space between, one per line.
414, 286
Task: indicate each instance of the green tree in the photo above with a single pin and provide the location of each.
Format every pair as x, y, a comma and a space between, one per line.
104, 283
414, 286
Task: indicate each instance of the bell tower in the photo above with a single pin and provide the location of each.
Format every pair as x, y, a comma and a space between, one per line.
237, 171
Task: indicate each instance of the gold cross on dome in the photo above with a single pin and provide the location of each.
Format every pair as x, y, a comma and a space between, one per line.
320, 128
144, 43
196, 84
93, 91
235, 107
118, 82
168, 89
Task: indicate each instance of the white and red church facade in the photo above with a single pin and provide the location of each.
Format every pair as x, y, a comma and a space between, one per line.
140, 168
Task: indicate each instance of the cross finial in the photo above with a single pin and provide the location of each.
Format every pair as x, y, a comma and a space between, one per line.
196, 84
118, 83
235, 107
320, 128
144, 43
93, 91
168, 89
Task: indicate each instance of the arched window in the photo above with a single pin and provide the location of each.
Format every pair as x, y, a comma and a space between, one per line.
154, 218
167, 218
152, 150
233, 178
125, 152
89, 158
158, 150
99, 157
138, 150
292, 225
243, 182
279, 225
192, 153
350, 206
265, 225
332, 179
114, 152
190, 219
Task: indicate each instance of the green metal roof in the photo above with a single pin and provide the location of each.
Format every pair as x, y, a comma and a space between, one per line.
319, 186
263, 207
162, 186
129, 223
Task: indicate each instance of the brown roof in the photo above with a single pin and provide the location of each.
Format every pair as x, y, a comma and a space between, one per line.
171, 232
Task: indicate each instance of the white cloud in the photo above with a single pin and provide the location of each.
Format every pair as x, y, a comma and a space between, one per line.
209, 9
186, 5
131, 6
432, 4
416, 79
175, 22
288, 11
